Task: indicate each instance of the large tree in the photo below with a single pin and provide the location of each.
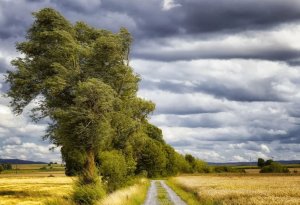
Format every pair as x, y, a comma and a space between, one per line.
82, 81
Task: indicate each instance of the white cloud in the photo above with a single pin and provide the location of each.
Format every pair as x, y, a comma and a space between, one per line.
239, 158
169, 4
265, 148
12, 141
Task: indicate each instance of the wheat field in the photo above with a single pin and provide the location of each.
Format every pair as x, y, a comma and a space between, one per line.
40, 189
32, 190
243, 189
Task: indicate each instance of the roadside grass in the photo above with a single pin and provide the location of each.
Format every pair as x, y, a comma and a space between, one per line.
132, 195
190, 196
162, 194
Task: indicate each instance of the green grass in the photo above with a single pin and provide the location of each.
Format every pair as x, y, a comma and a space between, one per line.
162, 195
189, 197
139, 197
132, 195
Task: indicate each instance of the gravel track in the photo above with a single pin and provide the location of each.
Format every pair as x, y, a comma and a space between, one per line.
152, 194
172, 195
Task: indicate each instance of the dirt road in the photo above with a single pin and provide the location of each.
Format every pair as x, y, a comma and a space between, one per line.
152, 195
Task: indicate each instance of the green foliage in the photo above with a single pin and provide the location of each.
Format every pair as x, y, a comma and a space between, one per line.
189, 196
172, 166
152, 159
268, 162
1, 168
113, 169
220, 169
162, 194
74, 161
274, 167
88, 194
6, 166
196, 165
153, 132
260, 162
269, 166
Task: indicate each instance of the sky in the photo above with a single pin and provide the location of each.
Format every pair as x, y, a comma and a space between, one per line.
224, 74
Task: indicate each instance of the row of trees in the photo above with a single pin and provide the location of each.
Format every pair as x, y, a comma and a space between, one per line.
5, 166
81, 78
151, 158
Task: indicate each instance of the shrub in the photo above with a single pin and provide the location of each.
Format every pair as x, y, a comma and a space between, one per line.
1, 168
220, 169
113, 169
274, 167
260, 162
268, 162
88, 194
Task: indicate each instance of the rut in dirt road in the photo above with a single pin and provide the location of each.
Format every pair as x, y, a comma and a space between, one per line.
152, 194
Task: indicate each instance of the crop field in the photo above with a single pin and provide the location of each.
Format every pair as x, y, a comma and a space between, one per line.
23, 190
243, 189
31, 186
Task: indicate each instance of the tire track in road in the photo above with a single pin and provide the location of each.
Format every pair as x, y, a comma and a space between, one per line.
152, 194
172, 195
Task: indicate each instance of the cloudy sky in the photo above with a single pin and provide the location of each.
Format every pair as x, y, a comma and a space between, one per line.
224, 74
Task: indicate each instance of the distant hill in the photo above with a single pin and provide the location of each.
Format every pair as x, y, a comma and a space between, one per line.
19, 161
251, 163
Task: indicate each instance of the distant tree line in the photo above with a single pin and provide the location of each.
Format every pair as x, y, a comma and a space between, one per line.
5, 166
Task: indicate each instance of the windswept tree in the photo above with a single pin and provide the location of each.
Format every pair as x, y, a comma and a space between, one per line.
81, 78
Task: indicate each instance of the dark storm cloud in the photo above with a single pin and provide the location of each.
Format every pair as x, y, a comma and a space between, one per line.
192, 17
202, 16
80, 6
215, 52
292, 137
208, 111
256, 91
148, 20
207, 16
185, 110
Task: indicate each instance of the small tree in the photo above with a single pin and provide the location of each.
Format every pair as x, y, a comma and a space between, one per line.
274, 167
260, 162
268, 162
1, 168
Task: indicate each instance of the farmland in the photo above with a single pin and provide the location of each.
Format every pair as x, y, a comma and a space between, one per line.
258, 189
34, 185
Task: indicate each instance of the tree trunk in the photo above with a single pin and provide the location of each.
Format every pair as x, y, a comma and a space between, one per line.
90, 170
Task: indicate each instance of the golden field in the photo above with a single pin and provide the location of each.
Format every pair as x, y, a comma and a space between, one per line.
38, 189
243, 189
35, 190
